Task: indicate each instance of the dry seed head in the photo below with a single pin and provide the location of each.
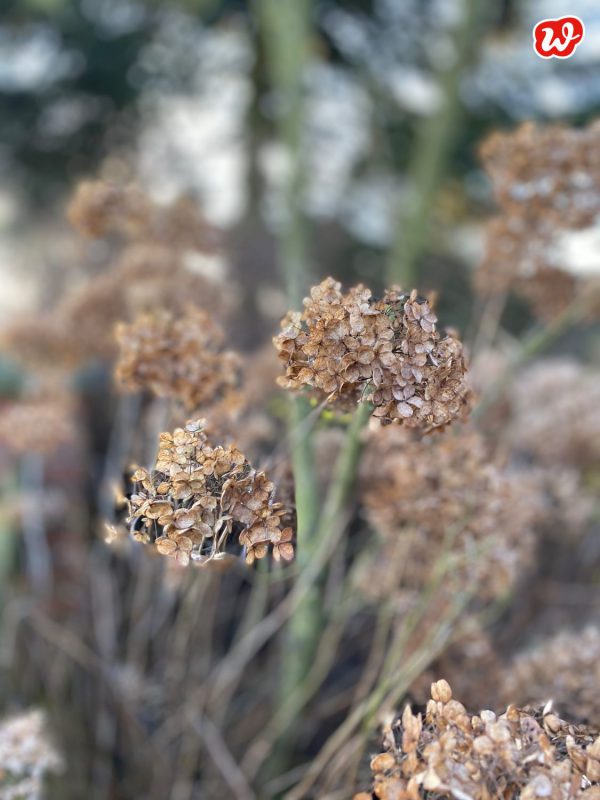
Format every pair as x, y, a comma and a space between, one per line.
199, 498
350, 347
38, 425
180, 357
159, 264
565, 668
556, 413
39, 342
100, 209
418, 492
457, 755
547, 183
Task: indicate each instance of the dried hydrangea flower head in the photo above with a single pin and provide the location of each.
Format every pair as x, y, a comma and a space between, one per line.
199, 497
547, 183
41, 343
180, 357
37, 425
564, 668
551, 171
425, 495
144, 277
450, 753
99, 209
350, 347
26, 756
556, 413
161, 257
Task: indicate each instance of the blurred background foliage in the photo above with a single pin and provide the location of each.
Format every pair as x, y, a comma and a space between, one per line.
398, 94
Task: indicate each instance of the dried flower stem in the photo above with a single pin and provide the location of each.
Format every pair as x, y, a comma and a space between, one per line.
430, 156
9, 541
223, 759
34, 530
118, 451
388, 691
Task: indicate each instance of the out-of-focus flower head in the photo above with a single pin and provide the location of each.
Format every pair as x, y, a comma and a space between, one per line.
350, 348
100, 209
450, 753
547, 183
26, 756
564, 668
198, 497
162, 257
441, 497
39, 424
180, 357
39, 342
556, 413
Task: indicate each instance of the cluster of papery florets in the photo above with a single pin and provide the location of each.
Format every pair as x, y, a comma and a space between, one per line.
441, 494
350, 347
27, 756
547, 183
450, 753
199, 497
177, 356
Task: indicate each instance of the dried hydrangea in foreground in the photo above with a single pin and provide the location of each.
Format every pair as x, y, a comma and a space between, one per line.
523, 753
180, 357
26, 756
199, 497
439, 496
351, 347
564, 668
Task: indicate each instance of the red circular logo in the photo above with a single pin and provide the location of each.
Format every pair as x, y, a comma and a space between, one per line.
557, 38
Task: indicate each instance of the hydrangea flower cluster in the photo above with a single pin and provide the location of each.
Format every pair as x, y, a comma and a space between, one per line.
418, 492
547, 183
181, 357
350, 347
198, 497
450, 753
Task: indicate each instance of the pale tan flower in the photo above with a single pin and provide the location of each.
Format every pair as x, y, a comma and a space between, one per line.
451, 753
547, 183
38, 424
441, 495
199, 498
351, 348
181, 357
564, 668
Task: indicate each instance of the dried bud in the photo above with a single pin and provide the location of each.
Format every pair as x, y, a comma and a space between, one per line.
441, 691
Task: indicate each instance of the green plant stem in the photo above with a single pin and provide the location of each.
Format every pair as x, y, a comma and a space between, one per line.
429, 160
285, 26
306, 623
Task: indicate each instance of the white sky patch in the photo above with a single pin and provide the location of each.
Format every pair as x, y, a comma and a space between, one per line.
196, 141
578, 252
